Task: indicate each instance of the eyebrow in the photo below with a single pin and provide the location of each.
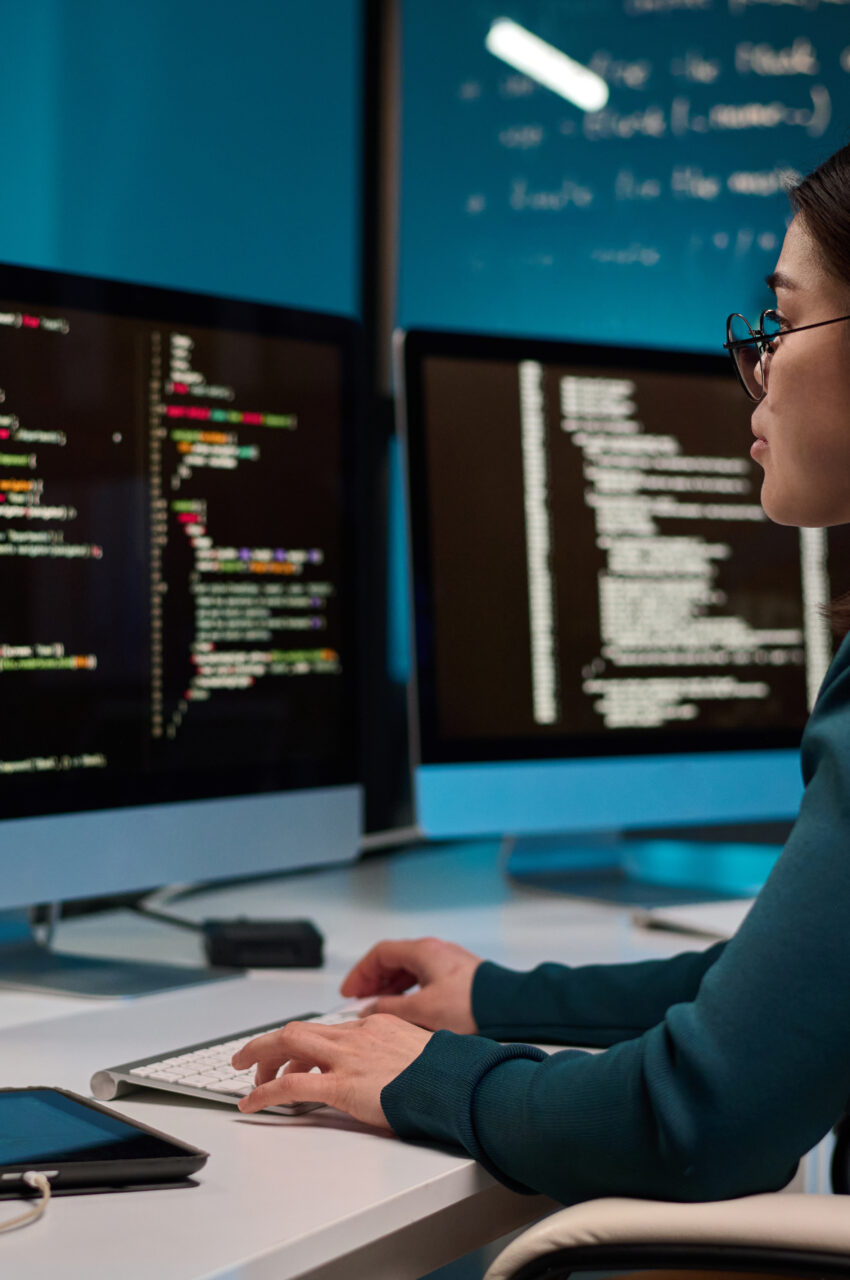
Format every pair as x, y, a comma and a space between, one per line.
779, 280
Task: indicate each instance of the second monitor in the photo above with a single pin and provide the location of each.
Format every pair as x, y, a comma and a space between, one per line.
610, 634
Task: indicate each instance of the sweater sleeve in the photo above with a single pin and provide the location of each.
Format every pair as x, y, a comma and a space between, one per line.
596, 1005
725, 1094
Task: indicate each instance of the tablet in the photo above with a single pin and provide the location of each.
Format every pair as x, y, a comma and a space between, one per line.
80, 1145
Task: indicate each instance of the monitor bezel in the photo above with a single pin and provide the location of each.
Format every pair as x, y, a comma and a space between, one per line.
429, 746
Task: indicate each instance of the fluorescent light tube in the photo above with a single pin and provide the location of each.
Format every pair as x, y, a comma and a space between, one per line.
546, 64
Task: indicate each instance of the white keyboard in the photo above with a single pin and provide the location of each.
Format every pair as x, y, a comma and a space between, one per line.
204, 1070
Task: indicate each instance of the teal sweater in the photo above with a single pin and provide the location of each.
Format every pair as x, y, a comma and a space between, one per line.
725, 1066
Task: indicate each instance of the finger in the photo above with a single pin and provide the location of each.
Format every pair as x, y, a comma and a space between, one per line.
294, 1066
265, 1046
388, 967
268, 1069
407, 1007
296, 1039
271, 1068
289, 1089
374, 978
265, 1071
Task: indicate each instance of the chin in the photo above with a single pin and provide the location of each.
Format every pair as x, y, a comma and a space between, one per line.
772, 509
800, 515
779, 517
783, 509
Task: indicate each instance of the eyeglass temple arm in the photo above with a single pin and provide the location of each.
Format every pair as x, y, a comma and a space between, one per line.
758, 336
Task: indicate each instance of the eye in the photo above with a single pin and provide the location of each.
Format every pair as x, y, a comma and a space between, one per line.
773, 324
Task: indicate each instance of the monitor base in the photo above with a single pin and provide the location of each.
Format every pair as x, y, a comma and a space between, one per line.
640, 871
28, 965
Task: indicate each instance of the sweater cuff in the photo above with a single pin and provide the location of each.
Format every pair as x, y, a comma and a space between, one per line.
434, 1097
495, 992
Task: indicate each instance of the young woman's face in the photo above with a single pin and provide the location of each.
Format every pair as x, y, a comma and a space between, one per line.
802, 426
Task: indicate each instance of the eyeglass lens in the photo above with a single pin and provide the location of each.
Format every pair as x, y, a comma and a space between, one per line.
747, 358
770, 323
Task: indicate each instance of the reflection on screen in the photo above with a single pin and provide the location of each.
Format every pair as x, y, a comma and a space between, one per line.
31, 1129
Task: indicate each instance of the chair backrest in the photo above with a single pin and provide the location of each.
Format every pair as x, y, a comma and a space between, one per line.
789, 1235
601, 1264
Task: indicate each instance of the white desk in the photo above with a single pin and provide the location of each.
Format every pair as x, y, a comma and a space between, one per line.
317, 1196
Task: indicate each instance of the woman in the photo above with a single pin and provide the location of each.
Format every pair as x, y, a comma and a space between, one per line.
725, 1066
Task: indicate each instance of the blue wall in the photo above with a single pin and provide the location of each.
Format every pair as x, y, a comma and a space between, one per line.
206, 145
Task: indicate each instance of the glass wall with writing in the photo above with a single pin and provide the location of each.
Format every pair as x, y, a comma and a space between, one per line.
645, 212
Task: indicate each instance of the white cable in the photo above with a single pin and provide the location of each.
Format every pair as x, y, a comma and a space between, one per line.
40, 1183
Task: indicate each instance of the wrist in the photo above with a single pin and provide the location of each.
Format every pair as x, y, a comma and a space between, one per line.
472, 1020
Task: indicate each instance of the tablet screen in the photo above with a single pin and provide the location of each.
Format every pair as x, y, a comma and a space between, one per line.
38, 1125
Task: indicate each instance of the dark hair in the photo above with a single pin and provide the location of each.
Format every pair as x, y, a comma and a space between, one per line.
823, 202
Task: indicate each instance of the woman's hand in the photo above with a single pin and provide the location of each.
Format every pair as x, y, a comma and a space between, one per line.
443, 971
356, 1060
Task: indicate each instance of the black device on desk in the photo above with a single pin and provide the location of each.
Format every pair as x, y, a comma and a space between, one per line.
251, 944
263, 944
81, 1146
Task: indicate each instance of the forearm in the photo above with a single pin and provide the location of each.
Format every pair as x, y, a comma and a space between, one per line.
728, 1090
573, 1125
720, 1099
594, 1005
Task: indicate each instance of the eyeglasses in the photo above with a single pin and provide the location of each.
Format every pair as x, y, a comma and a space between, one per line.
749, 347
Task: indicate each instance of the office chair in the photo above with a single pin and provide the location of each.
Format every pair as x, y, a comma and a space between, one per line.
788, 1235
801, 1236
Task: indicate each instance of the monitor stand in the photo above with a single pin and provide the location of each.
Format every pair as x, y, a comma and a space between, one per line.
29, 963
649, 870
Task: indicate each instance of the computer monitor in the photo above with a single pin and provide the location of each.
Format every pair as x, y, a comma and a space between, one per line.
609, 634
178, 533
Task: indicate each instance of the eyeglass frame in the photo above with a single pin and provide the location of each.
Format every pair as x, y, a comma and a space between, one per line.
762, 341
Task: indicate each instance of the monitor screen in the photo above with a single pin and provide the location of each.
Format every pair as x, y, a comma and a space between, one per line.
594, 577
177, 542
